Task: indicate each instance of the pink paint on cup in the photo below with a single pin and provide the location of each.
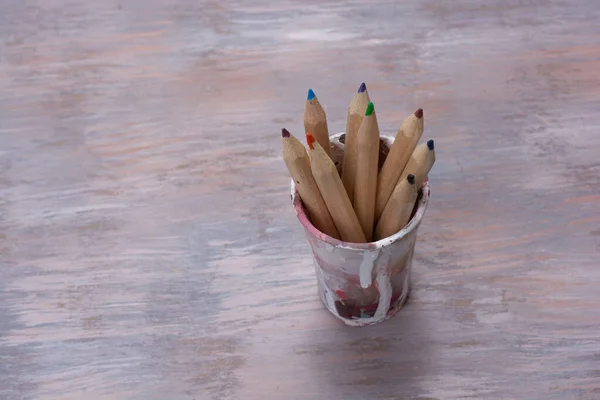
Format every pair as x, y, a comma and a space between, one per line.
363, 283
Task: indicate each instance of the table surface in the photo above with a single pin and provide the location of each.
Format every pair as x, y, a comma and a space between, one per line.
148, 248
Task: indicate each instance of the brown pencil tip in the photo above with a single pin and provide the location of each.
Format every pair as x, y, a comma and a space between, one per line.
285, 133
310, 140
419, 113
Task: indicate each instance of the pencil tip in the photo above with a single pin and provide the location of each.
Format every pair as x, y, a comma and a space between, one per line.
370, 108
362, 88
411, 179
419, 113
430, 144
311, 95
310, 140
285, 133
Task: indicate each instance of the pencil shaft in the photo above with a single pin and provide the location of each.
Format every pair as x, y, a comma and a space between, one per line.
356, 113
315, 122
406, 140
298, 164
332, 189
397, 210
365, 185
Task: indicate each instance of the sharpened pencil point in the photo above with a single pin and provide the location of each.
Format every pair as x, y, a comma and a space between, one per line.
311, 94
430, 144
419, 113
285, 133
370, 108
362, 88
411, 179
310, 140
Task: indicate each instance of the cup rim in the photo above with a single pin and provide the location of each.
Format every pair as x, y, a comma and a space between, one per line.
387, 241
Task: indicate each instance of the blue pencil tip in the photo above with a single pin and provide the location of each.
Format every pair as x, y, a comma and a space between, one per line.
311, 94
430, 144
362, 88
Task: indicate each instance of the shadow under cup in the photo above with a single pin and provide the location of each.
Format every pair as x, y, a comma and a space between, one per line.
363, 283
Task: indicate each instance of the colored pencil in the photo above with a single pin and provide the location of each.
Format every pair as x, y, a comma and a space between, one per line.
406, 140
398, 209
420, 163
315, 121
356, 113
332, 189
298, 164
365, 184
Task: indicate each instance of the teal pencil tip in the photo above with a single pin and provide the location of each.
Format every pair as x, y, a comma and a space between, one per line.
370, 108
311, 94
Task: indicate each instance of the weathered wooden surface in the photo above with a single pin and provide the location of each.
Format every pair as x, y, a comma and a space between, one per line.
148, 248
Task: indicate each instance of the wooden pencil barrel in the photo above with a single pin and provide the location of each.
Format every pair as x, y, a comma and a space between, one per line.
363, 283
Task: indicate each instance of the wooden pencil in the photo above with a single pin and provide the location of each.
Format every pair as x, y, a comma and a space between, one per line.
420, 163
365, 184
332, 189
298, 164
356, 113
315, 121
398, 209
406, 140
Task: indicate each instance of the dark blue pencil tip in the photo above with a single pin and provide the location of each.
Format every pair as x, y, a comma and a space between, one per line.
362, 88
311, 94
430, 144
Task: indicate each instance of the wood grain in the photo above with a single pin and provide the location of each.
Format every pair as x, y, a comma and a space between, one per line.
148, 247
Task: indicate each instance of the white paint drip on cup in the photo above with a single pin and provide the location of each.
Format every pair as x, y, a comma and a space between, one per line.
366, 268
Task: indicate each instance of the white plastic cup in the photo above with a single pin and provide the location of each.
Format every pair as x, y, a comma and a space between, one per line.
363, 283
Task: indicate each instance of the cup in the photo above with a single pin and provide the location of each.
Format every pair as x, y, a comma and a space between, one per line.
363, 283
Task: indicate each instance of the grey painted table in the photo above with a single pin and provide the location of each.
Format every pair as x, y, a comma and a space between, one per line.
148, 249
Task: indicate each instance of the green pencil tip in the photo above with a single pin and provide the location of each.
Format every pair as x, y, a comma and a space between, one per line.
370, 108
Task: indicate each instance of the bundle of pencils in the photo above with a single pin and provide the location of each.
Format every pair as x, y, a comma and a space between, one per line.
365, 203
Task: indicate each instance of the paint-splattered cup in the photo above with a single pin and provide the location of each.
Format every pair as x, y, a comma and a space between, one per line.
363, 283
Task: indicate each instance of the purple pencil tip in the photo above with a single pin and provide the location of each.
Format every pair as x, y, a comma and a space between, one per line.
362, 88
285, 133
